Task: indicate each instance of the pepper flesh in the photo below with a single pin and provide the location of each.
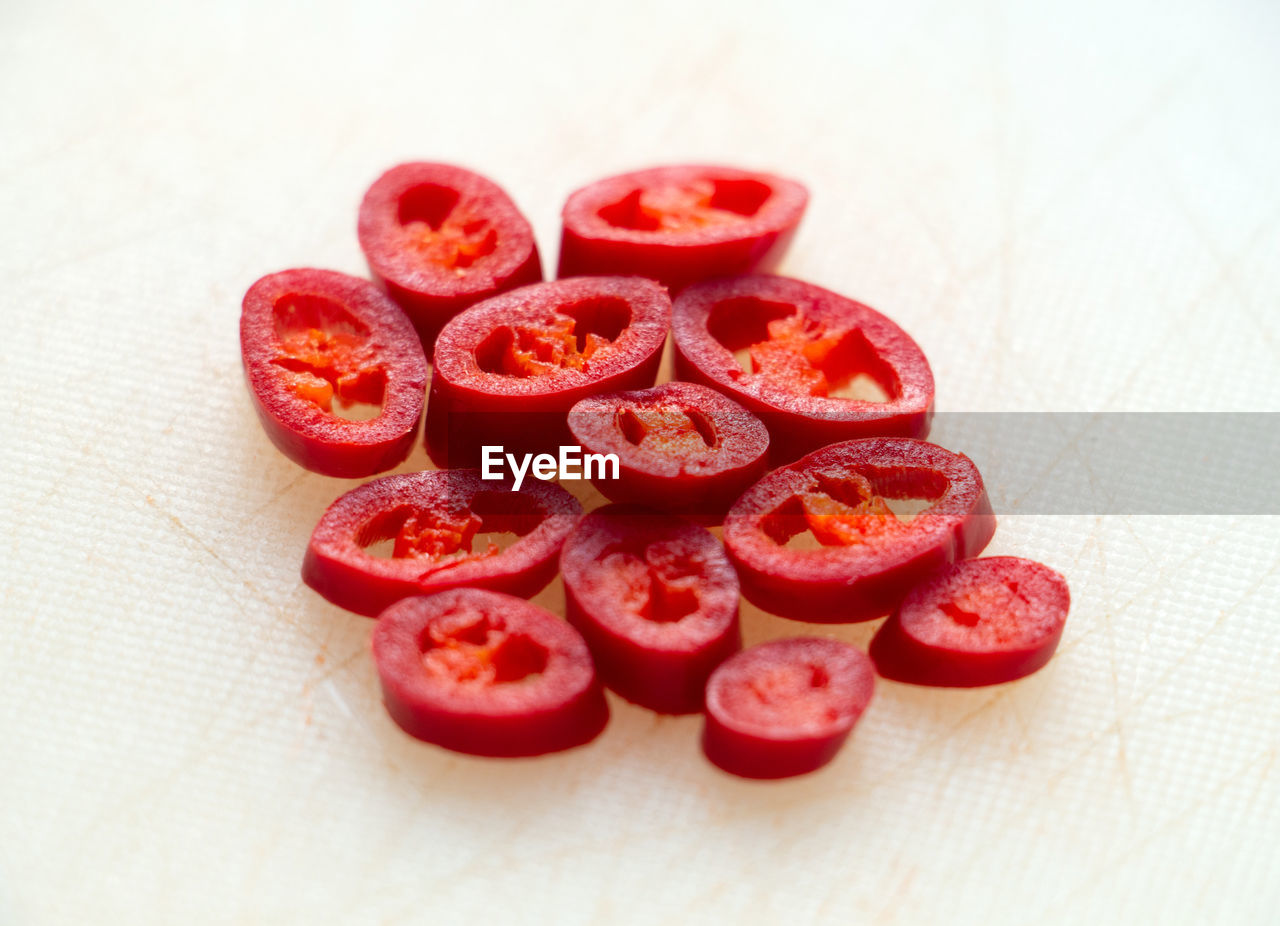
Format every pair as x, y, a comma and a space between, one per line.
656, 599
432, 520
439, 238
681, 447
979, 622
508, 370
785, 707
680, 224
315, 343
485, 673
866, 557
814, 366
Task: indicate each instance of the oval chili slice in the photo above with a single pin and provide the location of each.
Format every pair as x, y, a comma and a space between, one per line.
680, 224
681, 447
820, 541
814, 366
978, 622
656, 599
441, 238
785, 707
413, 533
336, 372
508, 370
487, 674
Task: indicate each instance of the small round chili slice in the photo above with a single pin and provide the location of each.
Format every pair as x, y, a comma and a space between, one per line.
441, 238
820, 540
680, 224
335, 371
815, 366
508, 370
785, 707
656, 599
979, 622
488, 674
681, 447
413, 533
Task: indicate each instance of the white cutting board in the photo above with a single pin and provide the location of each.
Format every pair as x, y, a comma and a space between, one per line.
1073, 208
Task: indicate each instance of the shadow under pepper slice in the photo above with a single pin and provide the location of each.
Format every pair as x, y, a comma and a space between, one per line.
681, 447
488, 674
441, 238
680, 224
820, 540
979, 622
335, 371
814, 366
785, 707
444, 529
508, 370
656, 599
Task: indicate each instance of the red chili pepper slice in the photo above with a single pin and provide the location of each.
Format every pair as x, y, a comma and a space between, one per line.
318, 345
785, 707
487, 674
978, 622
657, 601
508, 370
441, 238
861, 557
444, 529
814, 366
681, 447
680, 224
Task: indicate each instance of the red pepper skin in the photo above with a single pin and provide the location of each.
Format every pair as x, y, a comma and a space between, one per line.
681, 447
432, 517
508, 370
310, 337
656, 599
487, 674
785, 707
868, 559
804, 342
440, 238
680, 224
978, 622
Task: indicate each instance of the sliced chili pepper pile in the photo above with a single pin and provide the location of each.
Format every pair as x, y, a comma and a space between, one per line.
861, 518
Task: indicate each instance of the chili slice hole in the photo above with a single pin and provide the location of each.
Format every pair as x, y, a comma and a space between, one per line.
606, 317
567, 341
327, 352
855, 371
744, 197
430, 203
848, 369
972, 605
662, 586
840, 509
494, 522
634, 428
691, 206
741, 322
628, 213
476, 648
791, 693
450, 237
960, 615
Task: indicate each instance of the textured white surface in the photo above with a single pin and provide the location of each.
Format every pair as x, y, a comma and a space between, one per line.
1072, 208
